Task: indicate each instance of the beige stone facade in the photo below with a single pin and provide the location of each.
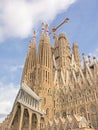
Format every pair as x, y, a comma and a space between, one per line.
67, 88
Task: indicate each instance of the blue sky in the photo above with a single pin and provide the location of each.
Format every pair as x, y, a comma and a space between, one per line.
16, 30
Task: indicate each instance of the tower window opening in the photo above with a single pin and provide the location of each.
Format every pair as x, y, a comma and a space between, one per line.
46, 58
54, 103
47, 111
46, 76
48, 61
44, 101
49, 92
43, 75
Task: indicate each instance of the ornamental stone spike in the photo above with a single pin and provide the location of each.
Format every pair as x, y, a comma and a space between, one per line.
43, 27
34, 35
47, 29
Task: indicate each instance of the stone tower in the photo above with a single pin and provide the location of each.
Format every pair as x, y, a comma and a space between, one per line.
61, 59
29, 71
45, 76
62, 50
75, 51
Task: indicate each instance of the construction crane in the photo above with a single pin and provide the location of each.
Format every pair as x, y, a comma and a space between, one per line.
55, 28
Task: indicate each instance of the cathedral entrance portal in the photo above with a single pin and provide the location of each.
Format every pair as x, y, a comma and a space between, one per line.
16, 120
34, 122
42, 124
25, 120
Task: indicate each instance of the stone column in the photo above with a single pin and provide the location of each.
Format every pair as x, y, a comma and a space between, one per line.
13, 115
38, 123
34, 103
30, 120
21, 118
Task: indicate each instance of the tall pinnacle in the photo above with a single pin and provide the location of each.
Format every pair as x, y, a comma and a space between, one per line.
47, 29
43, 28
30, 64
34, 36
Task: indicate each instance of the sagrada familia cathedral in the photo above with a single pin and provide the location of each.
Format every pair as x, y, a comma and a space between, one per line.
57, 91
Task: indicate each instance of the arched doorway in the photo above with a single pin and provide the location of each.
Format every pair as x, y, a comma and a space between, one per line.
47, 112
25, 125
64, 115
16, 120
34, 122
68, 126
54, 126
94, 116
42, 124
83, 112
57, 115
61, 127
48, 126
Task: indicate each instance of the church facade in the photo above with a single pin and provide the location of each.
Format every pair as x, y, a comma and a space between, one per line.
57, 90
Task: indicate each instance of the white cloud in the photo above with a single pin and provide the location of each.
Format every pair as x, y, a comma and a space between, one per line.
15, 68
2, 117
18, 17
7, 96
97, 50
96, 53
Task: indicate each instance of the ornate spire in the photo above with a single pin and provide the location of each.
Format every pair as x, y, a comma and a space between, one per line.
30, 64
34, 35
47, 29
32, 43
75, 51
84, 60
94, 57
95, 61
83, 56
43, 27
89, 59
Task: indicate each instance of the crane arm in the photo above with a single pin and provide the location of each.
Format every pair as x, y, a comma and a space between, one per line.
55, 28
